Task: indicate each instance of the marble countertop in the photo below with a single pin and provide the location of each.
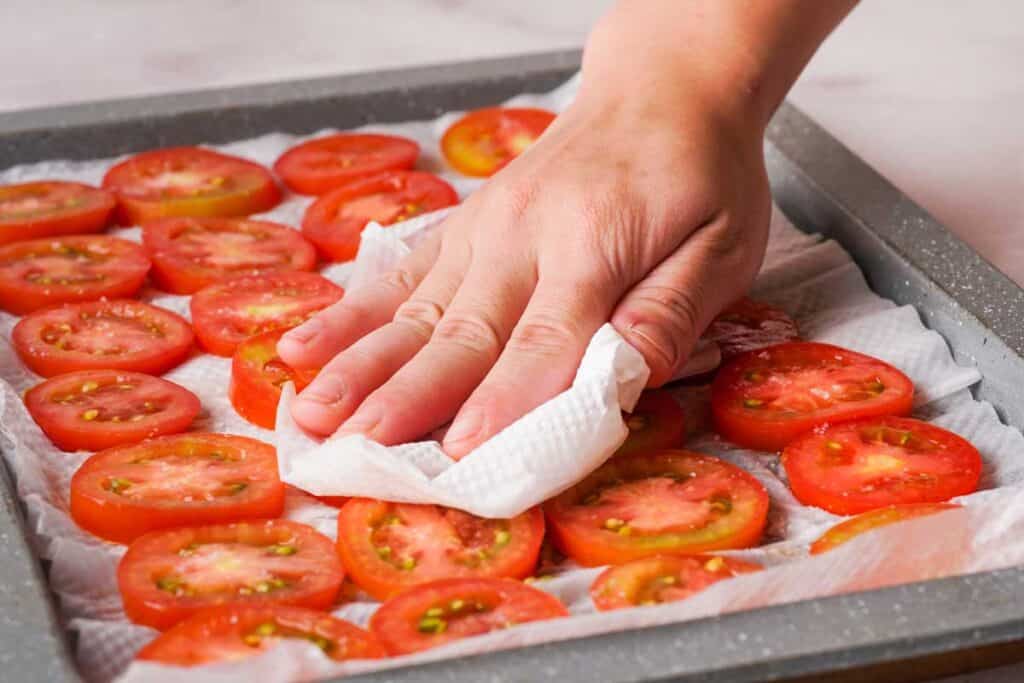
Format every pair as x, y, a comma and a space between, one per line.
930, 94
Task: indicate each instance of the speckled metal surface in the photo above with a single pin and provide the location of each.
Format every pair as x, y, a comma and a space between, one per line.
818, 183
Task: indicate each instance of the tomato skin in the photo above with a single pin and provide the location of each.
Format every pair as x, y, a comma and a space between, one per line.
602, 519
852, 467
483, 141
399, 622
35, 274
313, 572
191, 253
318, 166
231, 633
161, 339
768, 427
257, 373
748, 325
643, 582
189, 181
81, 209
657, 422
227, 313
335, 221
382, 576
849, 529
58, 405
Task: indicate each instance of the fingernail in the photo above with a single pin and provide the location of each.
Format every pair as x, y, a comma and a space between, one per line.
465, 427
304, 332
326, 390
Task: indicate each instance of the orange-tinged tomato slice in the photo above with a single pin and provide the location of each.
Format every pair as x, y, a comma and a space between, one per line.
853, 467
257, 375
227, 313
232, 633
52, 208
97, 409
320, 165
387, 547
873, 519
102, 335
335, 221
168, 576
483, 141
749, 325
440, 612
191, 253
189, 181
657, 422
58, 270
671, 502
764, 399
664, 578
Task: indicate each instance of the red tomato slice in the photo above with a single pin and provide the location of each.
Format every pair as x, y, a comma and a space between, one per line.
56, 270
227, 313
483, 141
320, 165
873, 519
670, 502
655, 580
168, 576
185, 479
764, 399
257, 375
52, 208
231, 633
657, 422
749, 325
191, 253
387, 547
97, 409
189, 181
335, 221
440, 612
94, 335
858, 466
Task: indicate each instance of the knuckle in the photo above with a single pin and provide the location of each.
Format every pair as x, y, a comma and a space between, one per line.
673, 307
469, 331
669, 319
515, 196
400, 280
420, 315
543, 335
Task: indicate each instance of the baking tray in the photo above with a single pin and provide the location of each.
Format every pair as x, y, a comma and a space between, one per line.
911, 632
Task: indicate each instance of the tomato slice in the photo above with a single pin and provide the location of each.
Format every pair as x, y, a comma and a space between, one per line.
227, 313
93, 335
230, 633
749, 325
664, 578
853, 467
56, 270
52, 208
257, 375
335, 221
168, 576
440, 612
657, 422
671, 502
189, 181
387, 547
483, 141
191, 253
97, 409
320, 165
764, 399
873, 519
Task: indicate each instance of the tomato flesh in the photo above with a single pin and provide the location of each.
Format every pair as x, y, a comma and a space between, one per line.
764, 399
749, 325
484, 141
335, 221
227, 313
318, 166
440, 612
191, 253
657, 422
52, 208
257, 376
168, 576
660, 579
387, 547
96, 409
115, 335
853, 467
671, 502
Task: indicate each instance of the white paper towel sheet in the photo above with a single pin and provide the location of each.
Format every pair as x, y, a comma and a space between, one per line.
814, 280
